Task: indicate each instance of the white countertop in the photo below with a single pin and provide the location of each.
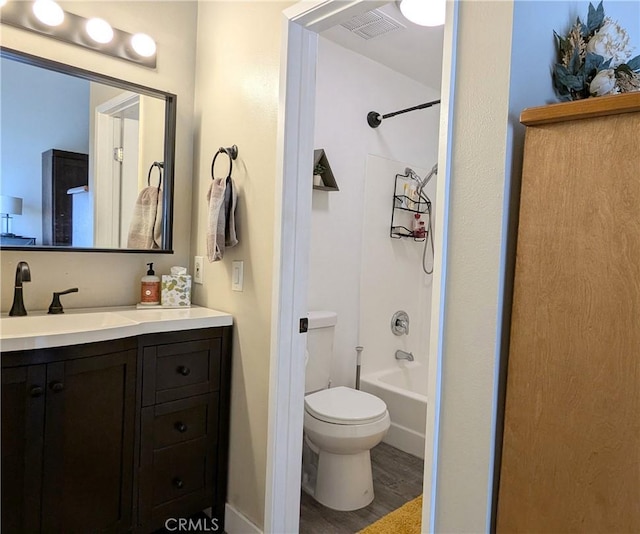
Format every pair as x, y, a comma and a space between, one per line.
38, 330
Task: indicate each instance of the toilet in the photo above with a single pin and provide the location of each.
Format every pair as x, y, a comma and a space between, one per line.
341, 426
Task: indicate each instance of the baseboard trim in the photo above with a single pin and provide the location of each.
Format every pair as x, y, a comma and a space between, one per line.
236, 523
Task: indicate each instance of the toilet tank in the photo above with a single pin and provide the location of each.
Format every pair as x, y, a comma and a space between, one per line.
322, 325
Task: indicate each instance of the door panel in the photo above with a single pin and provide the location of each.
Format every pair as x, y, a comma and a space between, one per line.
90, 431
23, 401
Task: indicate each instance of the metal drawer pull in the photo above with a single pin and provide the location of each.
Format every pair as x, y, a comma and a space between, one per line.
184, 371
178, 483
36, 391
57, 387
181, 427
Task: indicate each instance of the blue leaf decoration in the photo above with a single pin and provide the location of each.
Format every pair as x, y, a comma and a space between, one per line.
634, 64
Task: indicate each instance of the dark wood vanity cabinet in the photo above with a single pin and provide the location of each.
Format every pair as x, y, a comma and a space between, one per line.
115, 436
68, 422
184, 427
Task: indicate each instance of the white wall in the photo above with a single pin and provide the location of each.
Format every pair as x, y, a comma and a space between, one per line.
40, 110
173, 25
348, 87
391, 277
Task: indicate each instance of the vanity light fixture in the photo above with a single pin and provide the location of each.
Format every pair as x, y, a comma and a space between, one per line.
143, 44
424, 12
48, 12
99, 30
45, 17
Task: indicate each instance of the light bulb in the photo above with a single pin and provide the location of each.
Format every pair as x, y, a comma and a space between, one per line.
144, 45
48, 12
99, 30
3, 2
424, 12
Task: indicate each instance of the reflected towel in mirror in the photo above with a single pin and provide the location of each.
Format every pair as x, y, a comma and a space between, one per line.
145, 231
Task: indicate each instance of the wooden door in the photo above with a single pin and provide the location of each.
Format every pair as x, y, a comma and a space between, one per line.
89, 441
571, 448
23, 401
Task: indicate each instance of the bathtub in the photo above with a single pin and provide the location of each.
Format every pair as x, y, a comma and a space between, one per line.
404, 390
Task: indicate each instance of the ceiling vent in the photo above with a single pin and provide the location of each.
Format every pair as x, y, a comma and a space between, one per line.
372, 24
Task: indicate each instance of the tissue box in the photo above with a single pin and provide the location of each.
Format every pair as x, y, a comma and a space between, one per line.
176, 290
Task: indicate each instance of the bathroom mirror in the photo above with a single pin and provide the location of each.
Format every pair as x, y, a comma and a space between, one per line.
86, 160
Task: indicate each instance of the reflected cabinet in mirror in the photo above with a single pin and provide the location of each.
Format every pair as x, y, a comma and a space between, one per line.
86, 160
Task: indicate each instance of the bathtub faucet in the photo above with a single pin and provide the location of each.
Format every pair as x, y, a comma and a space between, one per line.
403, 355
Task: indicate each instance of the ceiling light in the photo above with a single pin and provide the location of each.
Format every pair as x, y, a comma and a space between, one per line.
48, 12
424, 12
99, 30
143, 44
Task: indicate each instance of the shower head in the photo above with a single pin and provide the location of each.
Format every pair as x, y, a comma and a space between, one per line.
427, 178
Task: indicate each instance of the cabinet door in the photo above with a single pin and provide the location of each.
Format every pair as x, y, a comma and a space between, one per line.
89, 440
23, 398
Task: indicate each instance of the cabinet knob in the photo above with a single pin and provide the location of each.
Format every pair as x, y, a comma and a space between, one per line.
36, 391
183, 370
57, 386
181, 427
178, 483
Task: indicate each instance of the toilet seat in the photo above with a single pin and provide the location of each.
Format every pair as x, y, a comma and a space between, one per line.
345, 406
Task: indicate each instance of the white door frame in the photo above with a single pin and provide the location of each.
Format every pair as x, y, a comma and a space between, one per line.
300, 27
106, 191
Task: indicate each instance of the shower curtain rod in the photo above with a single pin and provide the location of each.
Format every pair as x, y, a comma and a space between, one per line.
374, 119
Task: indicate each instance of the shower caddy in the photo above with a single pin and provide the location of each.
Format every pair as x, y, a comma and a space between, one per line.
402, 202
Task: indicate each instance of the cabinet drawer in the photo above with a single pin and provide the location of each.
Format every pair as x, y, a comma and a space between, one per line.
179, 421
179, 470
178, 370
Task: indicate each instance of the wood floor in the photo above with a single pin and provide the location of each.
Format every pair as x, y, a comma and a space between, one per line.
397, 478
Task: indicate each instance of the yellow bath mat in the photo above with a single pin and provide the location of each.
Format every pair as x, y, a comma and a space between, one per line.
405, 520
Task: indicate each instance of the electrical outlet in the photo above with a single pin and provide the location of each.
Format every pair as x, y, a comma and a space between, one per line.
198, 267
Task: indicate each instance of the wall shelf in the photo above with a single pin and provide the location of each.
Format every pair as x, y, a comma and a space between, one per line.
328, 179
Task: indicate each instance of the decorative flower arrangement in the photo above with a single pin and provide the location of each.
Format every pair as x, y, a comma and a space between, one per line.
594, 59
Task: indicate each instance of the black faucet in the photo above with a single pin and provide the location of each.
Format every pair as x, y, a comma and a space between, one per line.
56, 305
23, 274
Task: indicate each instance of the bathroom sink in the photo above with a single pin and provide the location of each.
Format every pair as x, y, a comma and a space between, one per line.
39, 330
47, 325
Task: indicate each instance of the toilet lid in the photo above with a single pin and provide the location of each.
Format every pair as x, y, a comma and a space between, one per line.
345, 406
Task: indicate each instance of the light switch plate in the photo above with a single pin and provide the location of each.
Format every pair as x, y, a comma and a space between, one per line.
198, 267
237, 275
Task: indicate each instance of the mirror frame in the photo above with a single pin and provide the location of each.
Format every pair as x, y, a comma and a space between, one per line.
169, 148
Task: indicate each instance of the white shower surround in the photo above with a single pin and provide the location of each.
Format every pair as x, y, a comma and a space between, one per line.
356, 269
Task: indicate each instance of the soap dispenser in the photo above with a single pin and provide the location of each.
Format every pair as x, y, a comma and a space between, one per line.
150, 288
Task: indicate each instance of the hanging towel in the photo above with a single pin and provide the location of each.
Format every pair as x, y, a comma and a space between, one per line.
222, 199
230, 201
145, 230
216, 219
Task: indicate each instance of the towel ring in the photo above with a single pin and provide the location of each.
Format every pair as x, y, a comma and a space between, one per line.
160, 166
232, 152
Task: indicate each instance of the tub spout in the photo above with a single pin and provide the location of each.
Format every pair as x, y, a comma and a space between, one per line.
404, 355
